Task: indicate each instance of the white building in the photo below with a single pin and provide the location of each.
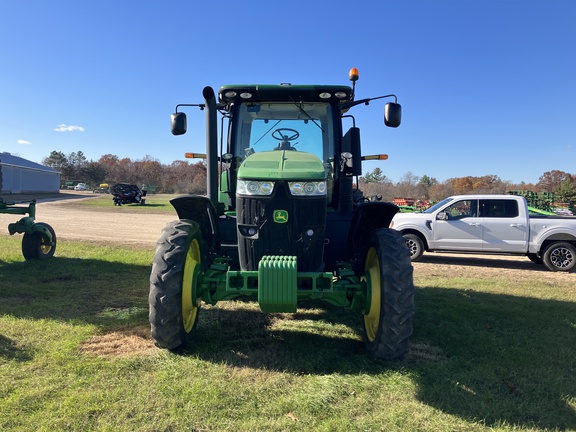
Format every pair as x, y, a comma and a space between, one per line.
18, 175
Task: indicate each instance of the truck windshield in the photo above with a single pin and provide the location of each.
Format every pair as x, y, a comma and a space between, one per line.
304, 127
437, 205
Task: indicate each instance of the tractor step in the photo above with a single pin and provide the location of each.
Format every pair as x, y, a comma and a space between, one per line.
277, 284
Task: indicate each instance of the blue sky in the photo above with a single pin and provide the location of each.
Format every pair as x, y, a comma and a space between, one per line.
487, 87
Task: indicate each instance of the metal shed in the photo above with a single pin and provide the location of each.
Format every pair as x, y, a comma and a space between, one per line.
18, 175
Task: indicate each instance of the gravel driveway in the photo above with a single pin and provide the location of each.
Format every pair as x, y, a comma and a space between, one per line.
119, 225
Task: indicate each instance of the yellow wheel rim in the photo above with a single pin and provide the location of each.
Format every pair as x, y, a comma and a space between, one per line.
372, 318
189, 290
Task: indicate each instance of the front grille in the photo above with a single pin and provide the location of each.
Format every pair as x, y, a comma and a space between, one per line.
302, 235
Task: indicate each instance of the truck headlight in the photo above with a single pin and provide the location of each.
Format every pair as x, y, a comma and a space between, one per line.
255, 187
312, 188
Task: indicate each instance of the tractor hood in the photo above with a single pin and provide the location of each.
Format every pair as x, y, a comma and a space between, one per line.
282, 165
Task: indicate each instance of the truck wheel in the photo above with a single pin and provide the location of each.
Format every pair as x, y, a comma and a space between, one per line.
390, 295
415, 246
37, 247
560, 256
174, 281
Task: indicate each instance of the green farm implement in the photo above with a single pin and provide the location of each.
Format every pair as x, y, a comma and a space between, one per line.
39, 240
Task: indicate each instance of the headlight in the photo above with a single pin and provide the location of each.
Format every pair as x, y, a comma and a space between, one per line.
254, 187
308, 188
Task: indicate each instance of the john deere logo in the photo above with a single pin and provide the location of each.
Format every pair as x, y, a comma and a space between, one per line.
280, 216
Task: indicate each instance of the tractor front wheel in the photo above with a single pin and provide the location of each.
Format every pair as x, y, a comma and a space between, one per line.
390, 296
36, 246
174, 284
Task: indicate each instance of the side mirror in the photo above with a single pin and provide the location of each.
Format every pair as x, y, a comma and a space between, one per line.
442, 216
392, 114
178, 123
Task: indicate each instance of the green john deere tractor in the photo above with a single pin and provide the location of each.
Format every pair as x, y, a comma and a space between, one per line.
284, 223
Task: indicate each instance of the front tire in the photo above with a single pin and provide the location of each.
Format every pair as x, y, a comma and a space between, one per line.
174, 297
390, 304
415, 246
560, 256
36, 246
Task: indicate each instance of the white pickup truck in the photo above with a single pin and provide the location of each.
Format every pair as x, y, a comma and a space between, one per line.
490, 224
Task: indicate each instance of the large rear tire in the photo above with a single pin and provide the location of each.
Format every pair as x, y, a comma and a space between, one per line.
560, 256
174, 284
36, 246
390, 306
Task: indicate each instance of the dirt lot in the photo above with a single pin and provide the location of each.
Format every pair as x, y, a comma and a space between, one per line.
71, 222
143, 229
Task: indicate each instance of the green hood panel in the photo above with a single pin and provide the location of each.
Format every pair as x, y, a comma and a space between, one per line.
282, 165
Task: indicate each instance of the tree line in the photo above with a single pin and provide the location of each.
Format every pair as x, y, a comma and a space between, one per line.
181, 176
375, 183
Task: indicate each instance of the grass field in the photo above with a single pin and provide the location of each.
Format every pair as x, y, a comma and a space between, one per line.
75, 354
156, 203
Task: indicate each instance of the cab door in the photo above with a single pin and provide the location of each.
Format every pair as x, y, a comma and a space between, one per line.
458, 227
505, 230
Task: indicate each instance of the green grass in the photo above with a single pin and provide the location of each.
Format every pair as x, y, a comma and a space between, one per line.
486, 355
156, 203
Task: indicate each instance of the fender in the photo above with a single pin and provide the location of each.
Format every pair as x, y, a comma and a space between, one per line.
368, 216
554, 234
201, 210
414, 228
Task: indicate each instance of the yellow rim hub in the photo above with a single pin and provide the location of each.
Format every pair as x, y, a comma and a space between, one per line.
190, 301
372, 318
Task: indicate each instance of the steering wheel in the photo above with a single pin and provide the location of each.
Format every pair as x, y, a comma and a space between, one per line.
285, 135
282, 137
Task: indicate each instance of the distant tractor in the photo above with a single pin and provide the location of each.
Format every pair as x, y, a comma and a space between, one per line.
284, 223
39, 240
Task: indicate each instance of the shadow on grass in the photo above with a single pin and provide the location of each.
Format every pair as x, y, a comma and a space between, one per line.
298, 344
506, 359
106, 294
490, 261
483, 357
9, 350
487, 358
144, 206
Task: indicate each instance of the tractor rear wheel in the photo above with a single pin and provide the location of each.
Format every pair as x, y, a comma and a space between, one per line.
390, 306
174, 284
35, 246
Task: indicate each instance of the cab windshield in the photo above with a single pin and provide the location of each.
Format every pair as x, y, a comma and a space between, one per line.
295, 126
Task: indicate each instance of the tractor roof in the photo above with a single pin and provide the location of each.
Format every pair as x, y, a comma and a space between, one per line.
229, 94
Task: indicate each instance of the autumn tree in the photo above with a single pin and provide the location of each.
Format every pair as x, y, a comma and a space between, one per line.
94, 173
551, 180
